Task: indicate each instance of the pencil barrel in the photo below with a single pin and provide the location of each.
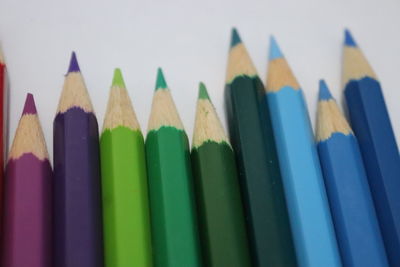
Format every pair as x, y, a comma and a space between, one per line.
172, 204
259, 174
77, 197
220, 212
27, 221
371, 124
309, 212
357, 230
127, 240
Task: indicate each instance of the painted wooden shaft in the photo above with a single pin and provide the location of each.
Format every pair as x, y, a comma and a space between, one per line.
172, 203
309, 212
371, 124
127, 239
353, 211
220, 212
253, 141
27, 199
77, 194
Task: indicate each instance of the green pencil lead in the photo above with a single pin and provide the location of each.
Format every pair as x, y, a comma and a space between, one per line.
235, 38
118, 80
203, 94
161, 83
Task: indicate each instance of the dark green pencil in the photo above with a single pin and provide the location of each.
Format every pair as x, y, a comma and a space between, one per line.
221, 219
253, 141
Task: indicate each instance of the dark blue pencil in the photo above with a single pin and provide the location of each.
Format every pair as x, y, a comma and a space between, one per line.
371, 124
357, 230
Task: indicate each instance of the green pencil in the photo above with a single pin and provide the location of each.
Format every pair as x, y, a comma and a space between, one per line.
253, 141
174, 229
221, 218
127, 240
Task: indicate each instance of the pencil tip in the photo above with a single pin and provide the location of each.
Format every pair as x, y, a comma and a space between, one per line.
324, 93
160, 83
348, 39
118, 80
235, 38
274, 50
203, 94
29, 107
73, 64
1, 56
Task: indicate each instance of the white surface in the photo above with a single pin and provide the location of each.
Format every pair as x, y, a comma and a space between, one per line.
190, 40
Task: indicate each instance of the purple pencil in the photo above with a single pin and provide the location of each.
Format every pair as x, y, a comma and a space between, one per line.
77, 200
27, 218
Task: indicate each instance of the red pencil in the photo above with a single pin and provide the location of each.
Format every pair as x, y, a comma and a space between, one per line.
3, 124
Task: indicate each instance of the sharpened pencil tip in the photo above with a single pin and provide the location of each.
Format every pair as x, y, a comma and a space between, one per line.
274, 50
1, 56
348, 39
324, 93
235, 38
29, 107
118, 80
203, 94
160, 83
73, 64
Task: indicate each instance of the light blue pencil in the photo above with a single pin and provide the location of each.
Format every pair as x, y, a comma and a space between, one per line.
309, 213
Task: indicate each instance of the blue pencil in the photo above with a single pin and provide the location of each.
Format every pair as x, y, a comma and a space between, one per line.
357, 230
309, 212
371, 124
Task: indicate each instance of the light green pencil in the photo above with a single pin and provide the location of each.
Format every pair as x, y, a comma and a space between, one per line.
127, 240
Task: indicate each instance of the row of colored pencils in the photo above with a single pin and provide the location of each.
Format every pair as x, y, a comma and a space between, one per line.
271, 196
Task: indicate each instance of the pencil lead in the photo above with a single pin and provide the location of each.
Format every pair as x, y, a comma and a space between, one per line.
160, 84
235, 39
118, 80
29, 107
203, 94
348, 39
274, 50
324, 93
73, 65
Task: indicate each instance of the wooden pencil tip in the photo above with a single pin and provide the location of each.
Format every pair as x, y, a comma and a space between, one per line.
274, 50
73, 65
203, 94
1, 56
160, 83
235, 38
118, 80
348, 39
324, 93
29, 107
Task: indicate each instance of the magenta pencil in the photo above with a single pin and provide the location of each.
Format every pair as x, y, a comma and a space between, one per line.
27, 209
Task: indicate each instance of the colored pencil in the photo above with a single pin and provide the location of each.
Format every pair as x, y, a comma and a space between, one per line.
28, 199
77, 196
253, 141
127, 240
221, 218
172, 203
357, 229
3, 126
304, 186
371, 124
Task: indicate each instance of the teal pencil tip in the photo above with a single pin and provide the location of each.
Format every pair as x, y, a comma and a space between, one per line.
324, 93
118, 80
160, 83
235, 38
274, 50
348, 39
203, 94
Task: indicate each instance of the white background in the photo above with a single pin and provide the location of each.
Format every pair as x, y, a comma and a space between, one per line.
190, 40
